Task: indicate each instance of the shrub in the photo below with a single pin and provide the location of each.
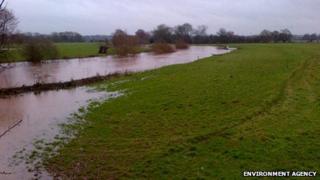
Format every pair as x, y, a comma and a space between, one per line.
37, 49
124, 44
161, 48
181, 44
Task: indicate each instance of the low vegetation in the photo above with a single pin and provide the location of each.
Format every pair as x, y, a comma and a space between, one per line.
180, 44
161, 48
35, 50
124, 44
256, 108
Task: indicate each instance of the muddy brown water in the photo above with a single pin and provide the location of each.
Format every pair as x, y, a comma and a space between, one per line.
42, 113
19, 74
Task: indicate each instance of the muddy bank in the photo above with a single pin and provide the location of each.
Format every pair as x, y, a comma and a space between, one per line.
37, 88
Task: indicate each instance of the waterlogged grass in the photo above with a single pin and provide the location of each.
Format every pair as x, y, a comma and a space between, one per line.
254, 109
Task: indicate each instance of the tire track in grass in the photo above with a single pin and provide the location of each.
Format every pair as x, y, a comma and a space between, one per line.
285, 91
302, 72
302, 81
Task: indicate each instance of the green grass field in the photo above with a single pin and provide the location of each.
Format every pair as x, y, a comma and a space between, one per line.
66, 51
254, 109
69, 50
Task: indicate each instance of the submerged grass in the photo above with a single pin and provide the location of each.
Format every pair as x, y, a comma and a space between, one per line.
253, 109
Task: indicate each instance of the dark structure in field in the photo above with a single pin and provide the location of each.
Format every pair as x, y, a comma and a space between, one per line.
103, 49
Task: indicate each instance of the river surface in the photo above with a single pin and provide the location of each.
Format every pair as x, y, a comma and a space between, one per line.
42, 113
19, 74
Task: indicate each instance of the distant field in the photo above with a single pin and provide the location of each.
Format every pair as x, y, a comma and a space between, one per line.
66, 50
254, 109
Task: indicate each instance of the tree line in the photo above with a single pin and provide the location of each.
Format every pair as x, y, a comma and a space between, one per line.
163, 38
185, 32
188, 34
199, 35
311, 37
67, 36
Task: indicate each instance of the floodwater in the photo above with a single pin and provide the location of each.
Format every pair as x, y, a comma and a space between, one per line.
19, 74
41, 115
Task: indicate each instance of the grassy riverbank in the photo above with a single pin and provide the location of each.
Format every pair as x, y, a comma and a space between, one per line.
65, 51
254, 109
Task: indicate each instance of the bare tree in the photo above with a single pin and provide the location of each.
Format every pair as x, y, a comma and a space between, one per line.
201, 30
124, 44
1, 4
183, 33
163, 33
225, 36
313, 37
8, 23
285, 35
200, 35
183, 30
266, 36
143, 36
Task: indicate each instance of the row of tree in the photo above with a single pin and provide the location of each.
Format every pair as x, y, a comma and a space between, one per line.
311, 37
67, 36
184, 32
187, 33
162, 33
181, 35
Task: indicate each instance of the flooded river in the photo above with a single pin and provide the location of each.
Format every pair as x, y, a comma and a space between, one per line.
18, 74
37, 116
40, 114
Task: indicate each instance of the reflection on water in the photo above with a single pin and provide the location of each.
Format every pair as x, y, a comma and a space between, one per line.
65, 70
41, 115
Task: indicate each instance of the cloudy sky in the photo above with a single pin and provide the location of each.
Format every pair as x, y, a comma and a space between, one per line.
104, 16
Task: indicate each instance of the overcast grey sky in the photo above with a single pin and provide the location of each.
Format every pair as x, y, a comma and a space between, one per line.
104, 16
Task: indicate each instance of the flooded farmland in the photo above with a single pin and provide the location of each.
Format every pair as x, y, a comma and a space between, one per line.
30, 116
